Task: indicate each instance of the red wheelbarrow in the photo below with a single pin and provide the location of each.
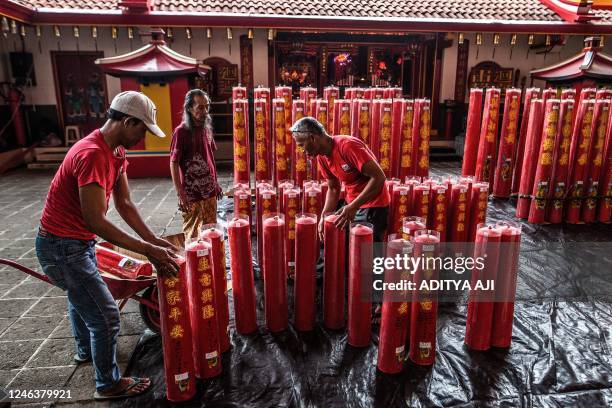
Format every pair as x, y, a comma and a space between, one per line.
142, 289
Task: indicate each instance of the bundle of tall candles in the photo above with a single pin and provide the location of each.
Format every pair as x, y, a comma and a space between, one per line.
397, 130
555, 159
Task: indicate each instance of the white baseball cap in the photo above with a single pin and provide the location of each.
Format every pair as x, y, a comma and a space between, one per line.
139, 106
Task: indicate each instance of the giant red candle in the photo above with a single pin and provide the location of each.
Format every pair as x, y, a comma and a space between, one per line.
291, 206
312, 199
405, 167
485, 160
334, 255
242, 201
375, 128
384, 136
420, 201
176, 335
307, 94
457, 227
298, 161
532, 147
121, 265
322, 113
330, 94
411, 225
598, 140
263, 143
424, 302
282, 186
399, 207
568, 94
243, 285
579, 158
204, 310
479, 321
438, 210
307, 249
241, 141
361, 127
215, 234
275, 275
505, 284
342, 117
559, 180
505, 157
281, 153
395, 316
544, 167
360, 284
396, 128
604, 207
239, 92
530, 94
285, 93
266, 202
421, 129
479, 195
472, 133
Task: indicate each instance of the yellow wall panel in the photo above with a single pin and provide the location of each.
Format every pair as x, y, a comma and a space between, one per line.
160, 95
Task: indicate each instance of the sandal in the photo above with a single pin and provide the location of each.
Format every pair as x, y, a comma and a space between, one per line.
81, 360
126, 392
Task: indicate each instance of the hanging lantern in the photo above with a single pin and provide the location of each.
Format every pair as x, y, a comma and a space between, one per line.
496, 39
94, 32
250, 34
548, 40
602, 40
38, 36
114, 33
13, 27
513, 39
479, 39
230, 34
209, 33
22, 31
169, 32
531, 39
56, 31
76, 32
461, 38
270, 34
188, 33
131, 33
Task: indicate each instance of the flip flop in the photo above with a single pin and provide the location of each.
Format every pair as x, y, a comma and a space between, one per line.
125, 393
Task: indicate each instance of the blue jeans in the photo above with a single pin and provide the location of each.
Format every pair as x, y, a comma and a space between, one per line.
94, 315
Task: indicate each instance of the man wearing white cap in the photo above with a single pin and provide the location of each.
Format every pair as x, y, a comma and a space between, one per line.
75, 213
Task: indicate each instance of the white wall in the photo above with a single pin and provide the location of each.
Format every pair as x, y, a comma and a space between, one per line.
502, 57
44, 92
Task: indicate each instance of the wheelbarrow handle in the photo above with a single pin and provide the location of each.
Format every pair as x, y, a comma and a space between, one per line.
26, 270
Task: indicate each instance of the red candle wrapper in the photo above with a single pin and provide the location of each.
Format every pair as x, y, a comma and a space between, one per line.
375, 128
399, 207
530, 94
243, 285
305, 271
479, 322
291, 208
472, 133
177, 343
298, 161
266, 202
579, 159
544, 168
505, 284
405, 164
559, 179
424, 302
308, 94
479, 196
532, 148
334, 251
507, 147
604, 206
242, 163
360, 284
598, 140
421, 130
485, 160
281, 153
342, 117
239, 92
331, 93
214, 233
204, 313
263, 142
439, 210
121, 265
411, 225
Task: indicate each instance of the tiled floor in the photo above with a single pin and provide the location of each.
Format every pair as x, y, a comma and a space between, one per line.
36, 343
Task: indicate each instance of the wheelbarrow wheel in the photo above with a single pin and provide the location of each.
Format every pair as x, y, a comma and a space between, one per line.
150, 316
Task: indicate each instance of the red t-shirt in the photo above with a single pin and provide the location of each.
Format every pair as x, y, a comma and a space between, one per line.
349, 154
194, 153
90, 160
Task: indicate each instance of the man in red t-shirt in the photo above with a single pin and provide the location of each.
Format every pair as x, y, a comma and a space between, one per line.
75, 212
347, 160
192, 164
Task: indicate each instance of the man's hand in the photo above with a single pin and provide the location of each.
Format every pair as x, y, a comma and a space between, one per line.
163, 243
321, 228
164, 259
345, 216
